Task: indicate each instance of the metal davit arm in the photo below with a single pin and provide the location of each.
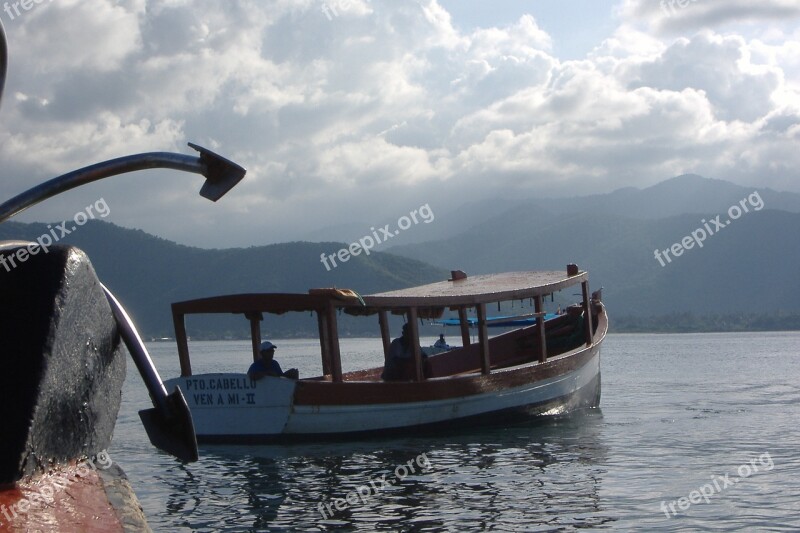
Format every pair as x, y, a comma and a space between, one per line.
221, 176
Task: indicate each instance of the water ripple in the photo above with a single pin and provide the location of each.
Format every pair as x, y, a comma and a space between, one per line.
671, 423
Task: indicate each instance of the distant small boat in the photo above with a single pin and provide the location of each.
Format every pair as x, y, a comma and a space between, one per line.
544, 366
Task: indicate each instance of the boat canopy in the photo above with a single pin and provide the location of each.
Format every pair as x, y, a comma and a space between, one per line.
274, 303
474, 290
459, 293
466, 292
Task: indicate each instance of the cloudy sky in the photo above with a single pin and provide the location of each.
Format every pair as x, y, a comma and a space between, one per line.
350, 111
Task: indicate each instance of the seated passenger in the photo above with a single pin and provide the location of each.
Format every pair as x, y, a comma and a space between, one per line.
400, 361
268, 366
441, 343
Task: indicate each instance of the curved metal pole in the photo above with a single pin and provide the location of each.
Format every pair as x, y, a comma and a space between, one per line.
170, 425
95, 172
139, 353
221, 174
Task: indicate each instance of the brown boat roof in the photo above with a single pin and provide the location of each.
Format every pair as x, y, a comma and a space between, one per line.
478, 289
277, 303
463, 292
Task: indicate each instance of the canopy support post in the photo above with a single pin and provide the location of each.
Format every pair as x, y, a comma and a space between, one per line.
462, 317
183, 344
333, 344
413, 329
540, 329
587, 311
483, 339
255, 319
324, 342
383, 320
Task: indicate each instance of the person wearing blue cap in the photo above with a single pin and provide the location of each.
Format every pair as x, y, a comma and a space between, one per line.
268, 366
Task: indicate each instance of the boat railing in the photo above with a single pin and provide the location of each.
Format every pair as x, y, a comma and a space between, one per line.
500, 319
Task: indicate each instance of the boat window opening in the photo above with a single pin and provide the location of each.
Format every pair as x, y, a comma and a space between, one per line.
548, 340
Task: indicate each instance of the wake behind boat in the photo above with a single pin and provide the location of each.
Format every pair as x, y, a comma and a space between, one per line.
551, 366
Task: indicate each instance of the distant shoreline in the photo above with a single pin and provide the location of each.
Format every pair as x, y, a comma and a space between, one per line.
706, 323
671, 323
687, 331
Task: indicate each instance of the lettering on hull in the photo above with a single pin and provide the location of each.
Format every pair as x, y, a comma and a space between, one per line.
219, 384
226, 391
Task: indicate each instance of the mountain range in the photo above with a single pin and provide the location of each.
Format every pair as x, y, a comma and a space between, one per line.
148, 273
749, 266
752, 265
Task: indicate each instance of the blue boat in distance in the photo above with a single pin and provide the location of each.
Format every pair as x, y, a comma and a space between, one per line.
510, 321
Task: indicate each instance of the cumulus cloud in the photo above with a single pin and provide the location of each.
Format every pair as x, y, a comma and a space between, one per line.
338, 115
669, 16
719, 66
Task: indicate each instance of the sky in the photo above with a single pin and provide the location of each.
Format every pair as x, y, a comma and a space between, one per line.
355, 111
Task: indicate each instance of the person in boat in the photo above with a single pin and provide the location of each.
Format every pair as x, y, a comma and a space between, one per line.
268, 366
400, 362
441, 343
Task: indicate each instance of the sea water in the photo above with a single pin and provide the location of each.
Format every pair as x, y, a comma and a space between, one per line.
696, 431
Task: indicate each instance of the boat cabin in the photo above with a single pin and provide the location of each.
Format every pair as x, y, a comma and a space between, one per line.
533, 343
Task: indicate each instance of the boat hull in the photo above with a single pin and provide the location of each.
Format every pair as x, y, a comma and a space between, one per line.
230, 408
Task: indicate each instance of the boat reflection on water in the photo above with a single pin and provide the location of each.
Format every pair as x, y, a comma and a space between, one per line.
546, 473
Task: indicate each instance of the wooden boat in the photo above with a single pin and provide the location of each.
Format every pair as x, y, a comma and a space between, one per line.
548, 368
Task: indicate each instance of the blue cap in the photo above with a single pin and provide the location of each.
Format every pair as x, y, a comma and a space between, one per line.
266, 345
